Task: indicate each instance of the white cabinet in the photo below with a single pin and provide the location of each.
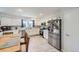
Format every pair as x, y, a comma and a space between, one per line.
45, 34
1, 34
32, 31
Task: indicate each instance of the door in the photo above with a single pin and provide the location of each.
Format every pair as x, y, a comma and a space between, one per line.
71, 31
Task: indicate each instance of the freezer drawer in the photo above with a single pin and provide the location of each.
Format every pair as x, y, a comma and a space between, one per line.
56, 43
54, 40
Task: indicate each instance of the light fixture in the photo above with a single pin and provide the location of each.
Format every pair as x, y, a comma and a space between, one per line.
20, 10
41, 14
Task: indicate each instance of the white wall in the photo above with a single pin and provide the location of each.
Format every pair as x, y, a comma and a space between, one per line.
33, 31
71, 27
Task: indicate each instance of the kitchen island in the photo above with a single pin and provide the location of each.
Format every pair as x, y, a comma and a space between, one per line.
12, 43
9, 43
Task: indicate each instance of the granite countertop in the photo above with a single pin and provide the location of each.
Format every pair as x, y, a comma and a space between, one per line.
9, 43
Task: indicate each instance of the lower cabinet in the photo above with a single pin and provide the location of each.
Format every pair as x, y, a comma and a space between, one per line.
45, 34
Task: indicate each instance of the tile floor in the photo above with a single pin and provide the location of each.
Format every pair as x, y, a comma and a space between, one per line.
39, 44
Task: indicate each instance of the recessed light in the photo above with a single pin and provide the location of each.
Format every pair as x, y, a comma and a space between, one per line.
20, 10
41, 14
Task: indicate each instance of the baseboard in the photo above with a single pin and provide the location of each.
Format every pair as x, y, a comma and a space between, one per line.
62, 50
34, 35
37, 26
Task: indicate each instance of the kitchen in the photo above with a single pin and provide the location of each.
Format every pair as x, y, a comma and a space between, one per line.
41, 29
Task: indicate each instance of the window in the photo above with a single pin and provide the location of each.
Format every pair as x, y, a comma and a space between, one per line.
28, 23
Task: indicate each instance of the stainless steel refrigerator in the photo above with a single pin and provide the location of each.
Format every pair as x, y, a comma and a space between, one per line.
54, 33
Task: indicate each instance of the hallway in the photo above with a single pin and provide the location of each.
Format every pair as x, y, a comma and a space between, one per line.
39, 44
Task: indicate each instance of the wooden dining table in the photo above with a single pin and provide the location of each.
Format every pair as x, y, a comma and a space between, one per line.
6, 38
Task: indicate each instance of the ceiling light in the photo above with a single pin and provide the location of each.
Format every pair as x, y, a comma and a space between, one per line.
41, 14
20, 10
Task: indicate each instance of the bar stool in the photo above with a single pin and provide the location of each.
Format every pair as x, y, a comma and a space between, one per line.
25, 42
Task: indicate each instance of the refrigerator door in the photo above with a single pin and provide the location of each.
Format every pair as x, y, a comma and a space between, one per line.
54, 36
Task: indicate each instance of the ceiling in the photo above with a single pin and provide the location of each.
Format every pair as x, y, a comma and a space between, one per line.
32, 11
